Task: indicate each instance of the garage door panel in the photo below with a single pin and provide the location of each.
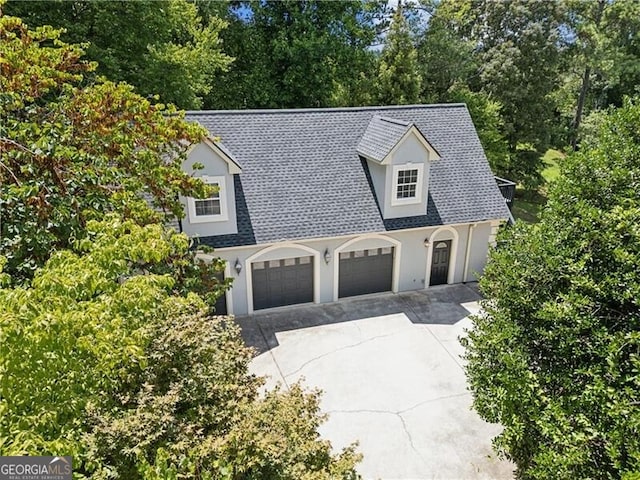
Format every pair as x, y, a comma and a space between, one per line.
365, 271
282, 282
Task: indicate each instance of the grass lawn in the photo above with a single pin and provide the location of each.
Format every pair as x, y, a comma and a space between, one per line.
527, 205
552, 167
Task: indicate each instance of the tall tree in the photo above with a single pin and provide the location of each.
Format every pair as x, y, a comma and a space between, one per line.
399, 79
160, 47
556, 357
445, 58
449, 66
70, 152
603, 61
522, 71
295, 53
589, 38
519, 46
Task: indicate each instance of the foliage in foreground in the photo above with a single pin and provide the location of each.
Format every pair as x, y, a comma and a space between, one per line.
71, 151
99, 360
556, 357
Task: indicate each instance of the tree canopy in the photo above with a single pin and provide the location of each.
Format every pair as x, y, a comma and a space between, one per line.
556, 357
71, 151
399, 78
102, 361
161, 47
539, 72
295, 53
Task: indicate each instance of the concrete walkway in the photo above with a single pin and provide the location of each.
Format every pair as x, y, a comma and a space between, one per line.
392, 377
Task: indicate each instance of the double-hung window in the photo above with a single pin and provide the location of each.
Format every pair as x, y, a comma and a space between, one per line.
407, 184
212, 209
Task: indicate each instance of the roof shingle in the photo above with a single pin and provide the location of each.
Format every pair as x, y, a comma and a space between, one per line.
381, 135
302, 176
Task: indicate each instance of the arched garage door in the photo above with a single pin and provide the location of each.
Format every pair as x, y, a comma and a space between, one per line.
365, 271
282, 282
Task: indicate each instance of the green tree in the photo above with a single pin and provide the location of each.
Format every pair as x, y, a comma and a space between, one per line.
487, 118
448, 67
70, 151
603, 59
445, 58
294, 53
160, 47
101, 361
556, 357
518, 46
399, 80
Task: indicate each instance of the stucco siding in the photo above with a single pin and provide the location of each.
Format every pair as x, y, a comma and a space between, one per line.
413, 258
478, 254
379, 179
214, 166
410, 150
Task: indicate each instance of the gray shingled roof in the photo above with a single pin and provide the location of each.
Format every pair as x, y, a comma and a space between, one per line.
303, 178
381, 135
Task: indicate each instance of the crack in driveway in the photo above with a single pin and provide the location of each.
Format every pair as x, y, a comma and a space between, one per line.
387, 412
345, 347
399, 413
412, 373
446, 397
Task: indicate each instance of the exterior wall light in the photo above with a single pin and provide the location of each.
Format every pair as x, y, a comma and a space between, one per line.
426, 242
327, 256
238, 266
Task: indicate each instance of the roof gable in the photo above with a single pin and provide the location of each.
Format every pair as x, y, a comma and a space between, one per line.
414, 131
223, 152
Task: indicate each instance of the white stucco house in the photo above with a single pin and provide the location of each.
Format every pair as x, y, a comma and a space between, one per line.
319, 204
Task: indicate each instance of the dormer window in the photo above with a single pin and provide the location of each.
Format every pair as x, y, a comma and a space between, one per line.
212, 209
407, 184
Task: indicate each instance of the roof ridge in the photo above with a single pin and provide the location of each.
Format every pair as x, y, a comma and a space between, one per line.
395, 121
325, 109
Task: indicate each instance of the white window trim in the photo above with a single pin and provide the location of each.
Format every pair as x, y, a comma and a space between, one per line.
394, 192
222, 194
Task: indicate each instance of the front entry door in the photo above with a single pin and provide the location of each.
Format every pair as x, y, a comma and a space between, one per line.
440, 263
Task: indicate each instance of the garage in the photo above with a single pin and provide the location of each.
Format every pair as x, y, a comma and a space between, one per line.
365, 271
282, 282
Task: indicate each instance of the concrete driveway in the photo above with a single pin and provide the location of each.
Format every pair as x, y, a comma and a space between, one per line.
392, 377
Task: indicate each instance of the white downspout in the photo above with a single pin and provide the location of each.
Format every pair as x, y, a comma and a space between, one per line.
468, 252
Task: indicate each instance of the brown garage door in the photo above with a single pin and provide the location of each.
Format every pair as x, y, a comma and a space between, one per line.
282, 282
365, 271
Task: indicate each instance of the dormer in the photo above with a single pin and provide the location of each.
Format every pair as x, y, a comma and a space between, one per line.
215, 215
398, 156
